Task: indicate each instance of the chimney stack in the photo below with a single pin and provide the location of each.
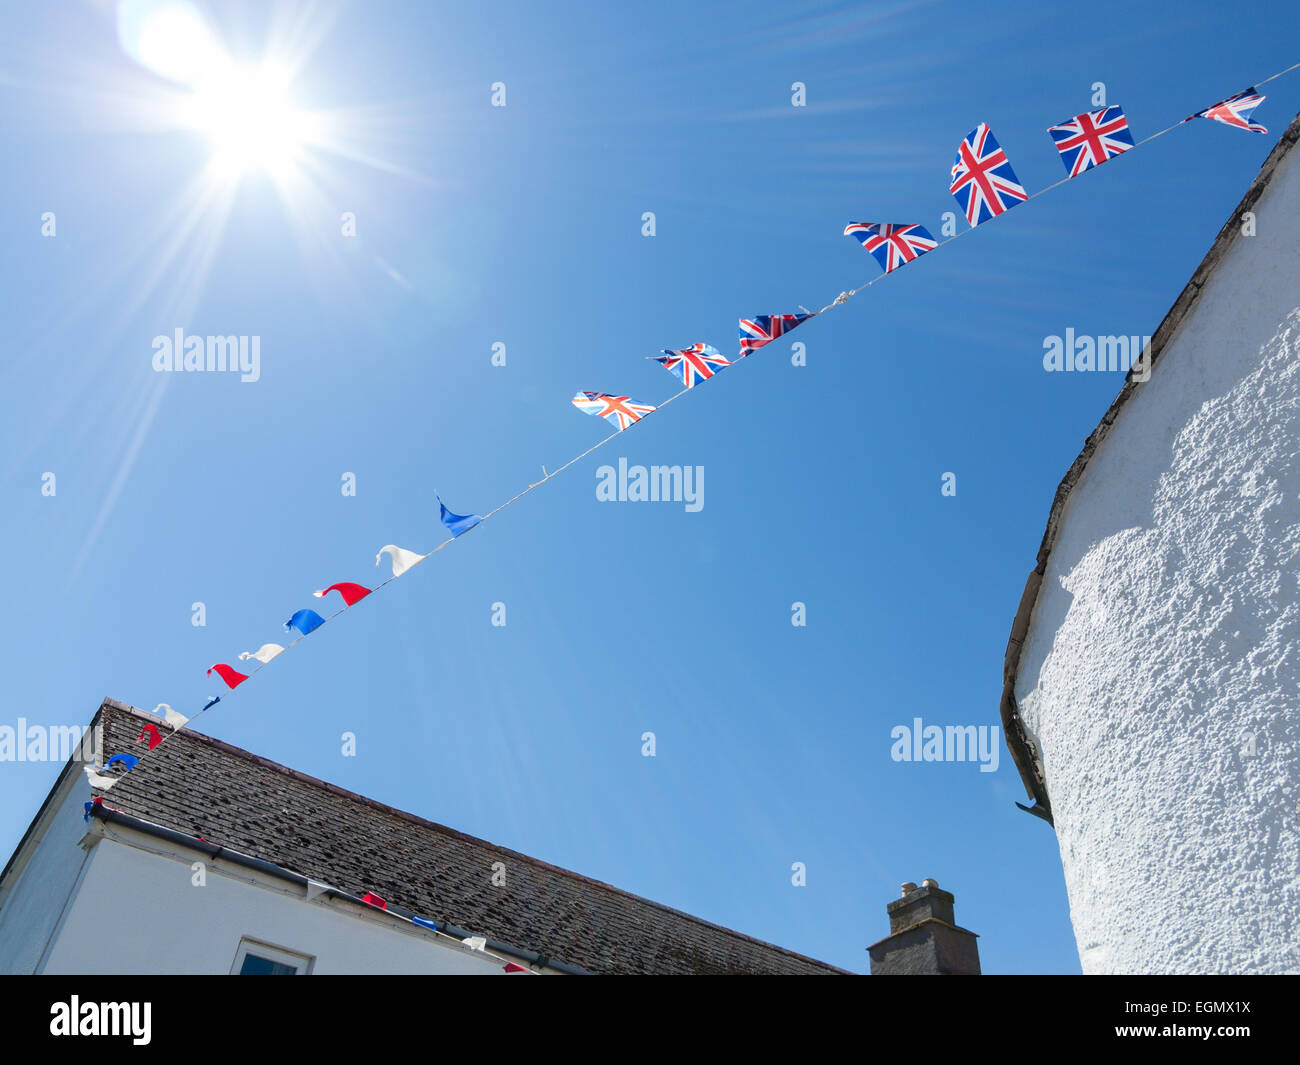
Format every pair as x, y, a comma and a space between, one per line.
924, 939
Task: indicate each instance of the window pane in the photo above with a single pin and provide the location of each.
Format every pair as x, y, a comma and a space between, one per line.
255, 966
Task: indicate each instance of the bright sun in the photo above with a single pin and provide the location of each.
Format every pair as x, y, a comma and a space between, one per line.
250, 120
247, 113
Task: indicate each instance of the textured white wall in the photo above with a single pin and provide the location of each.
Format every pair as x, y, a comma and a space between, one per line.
137, 912
36, 892
1167, 632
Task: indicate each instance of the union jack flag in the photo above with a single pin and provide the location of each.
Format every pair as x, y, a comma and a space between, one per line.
1091, 138
892, 245
982, 179
765, 328
697, 363
1235, 111
617, 410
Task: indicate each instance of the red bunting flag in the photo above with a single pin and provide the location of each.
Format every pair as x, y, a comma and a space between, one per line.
155, 737
511, 967
352, 593
232, 677
374, 900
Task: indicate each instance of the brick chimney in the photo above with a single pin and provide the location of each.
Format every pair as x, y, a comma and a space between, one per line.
924, 939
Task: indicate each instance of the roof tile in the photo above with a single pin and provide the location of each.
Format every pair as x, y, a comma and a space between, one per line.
203, 787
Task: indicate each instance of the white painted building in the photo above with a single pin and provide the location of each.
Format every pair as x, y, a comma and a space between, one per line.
1152, 679
208, 859
98, 897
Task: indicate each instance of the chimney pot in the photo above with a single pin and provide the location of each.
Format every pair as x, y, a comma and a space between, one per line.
924, 936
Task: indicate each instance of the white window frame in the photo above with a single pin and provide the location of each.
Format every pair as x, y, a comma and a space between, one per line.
302, 963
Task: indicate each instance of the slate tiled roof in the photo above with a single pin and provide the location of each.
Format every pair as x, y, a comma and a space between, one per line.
203, 787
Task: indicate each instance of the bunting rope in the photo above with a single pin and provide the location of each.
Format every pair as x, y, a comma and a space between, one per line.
772, 330
844, 297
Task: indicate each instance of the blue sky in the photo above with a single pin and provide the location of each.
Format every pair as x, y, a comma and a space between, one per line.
523, 225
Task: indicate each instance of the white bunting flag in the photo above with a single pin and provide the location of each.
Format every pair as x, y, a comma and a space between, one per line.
98, 780
263, 654
177, 721
402, 558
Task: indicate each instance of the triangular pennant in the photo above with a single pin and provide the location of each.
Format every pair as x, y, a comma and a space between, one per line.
231, 676
1235, 111
765, 328
305, 621
457, 523
351, 593
617, 410
890, 244
177, 721
263, 654
98, 779
402, 559
151, 731
692, 365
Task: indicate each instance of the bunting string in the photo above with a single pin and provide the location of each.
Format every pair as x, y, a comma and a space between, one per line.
844, 297
1084, 142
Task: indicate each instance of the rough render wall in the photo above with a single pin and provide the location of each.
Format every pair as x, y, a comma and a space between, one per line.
1167, 634
34, 898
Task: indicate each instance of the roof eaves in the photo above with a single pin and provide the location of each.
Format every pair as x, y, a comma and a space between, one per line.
213, 850
420, 822
1023, 752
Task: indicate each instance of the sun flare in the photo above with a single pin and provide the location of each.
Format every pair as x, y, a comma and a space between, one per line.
250, 120
247, 113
